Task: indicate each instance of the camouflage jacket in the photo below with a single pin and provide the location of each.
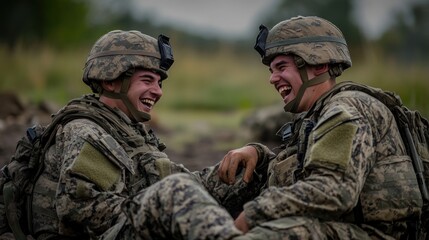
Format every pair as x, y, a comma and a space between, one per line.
343, 161
91, 171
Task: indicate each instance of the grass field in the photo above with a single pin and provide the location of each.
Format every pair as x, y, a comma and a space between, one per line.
199, 81
207, 94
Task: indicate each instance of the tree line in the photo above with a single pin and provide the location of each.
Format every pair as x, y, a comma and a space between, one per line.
67, 23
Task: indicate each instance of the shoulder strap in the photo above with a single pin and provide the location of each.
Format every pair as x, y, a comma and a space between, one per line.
388, 98
9, 191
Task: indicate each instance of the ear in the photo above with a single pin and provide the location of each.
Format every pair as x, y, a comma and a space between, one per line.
321, 68
108, 85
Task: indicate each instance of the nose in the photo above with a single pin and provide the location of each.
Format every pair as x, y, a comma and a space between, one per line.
156, 89
274, 78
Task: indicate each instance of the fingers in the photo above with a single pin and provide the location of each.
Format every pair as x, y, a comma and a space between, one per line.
246, 156
222, 171
228, 167
250, 163
241, 224
248, 174
234, 160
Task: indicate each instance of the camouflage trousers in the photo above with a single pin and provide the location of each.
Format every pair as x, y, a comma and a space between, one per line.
179, 208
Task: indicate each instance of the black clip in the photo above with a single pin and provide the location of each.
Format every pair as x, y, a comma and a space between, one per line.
261, 40
5, 172
32, 134
285, 132
166, 52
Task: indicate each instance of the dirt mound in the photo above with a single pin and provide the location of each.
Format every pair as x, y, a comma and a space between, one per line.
15, 117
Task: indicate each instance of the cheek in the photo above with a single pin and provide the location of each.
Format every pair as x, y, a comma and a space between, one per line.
136, 88
297, 82
133, 94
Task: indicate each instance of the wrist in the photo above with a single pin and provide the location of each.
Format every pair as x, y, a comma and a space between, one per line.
264, 156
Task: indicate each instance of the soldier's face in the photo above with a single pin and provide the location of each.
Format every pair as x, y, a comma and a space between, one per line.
145, 90
285, 77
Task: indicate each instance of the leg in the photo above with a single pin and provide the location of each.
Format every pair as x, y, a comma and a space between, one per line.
179, 208
298, 228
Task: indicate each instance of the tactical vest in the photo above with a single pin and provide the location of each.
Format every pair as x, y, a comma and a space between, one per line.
288, 167
139, 152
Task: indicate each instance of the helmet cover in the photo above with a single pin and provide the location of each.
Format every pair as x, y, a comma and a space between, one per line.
118, 51
314, 39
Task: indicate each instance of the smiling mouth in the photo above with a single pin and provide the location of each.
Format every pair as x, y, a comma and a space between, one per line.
285, 91
148, 103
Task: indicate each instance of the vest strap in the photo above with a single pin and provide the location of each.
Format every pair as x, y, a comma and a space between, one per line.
12, 211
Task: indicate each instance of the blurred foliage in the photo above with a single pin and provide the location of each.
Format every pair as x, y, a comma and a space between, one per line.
221, 80
61, 22
409, 41
70, 23
44, 44
380, 70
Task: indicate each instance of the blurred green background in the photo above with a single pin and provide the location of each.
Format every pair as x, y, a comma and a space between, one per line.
44, 44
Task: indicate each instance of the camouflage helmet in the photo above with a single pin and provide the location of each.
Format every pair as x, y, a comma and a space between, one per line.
314, 39
118, 51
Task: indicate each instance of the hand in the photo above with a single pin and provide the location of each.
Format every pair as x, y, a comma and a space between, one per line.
246, 156
241, 224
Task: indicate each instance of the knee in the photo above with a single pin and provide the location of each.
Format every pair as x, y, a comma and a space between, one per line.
178, 179
178, 184
288, 228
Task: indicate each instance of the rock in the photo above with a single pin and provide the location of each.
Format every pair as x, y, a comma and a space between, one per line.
15, 117
12, 105
264, 123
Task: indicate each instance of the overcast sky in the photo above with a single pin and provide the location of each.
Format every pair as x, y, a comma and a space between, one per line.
238, 18
230, 18
375, 16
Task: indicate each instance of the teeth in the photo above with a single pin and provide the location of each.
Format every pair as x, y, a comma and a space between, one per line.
148, 101
284, 88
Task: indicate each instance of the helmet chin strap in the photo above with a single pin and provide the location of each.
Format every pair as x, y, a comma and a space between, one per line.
136, 114
292, 106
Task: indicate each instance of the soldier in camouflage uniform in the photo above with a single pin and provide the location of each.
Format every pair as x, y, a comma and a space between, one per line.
99, 175
342, 172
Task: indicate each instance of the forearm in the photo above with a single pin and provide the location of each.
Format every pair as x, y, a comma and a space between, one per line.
265, 155
323, 195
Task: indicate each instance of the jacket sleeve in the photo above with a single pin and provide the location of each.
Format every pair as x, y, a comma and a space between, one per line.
338, 154
233, 197
88, 194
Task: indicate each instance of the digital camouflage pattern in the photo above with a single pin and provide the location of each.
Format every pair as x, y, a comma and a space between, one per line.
117, 51
184, 210
310, 41
181, 210
345, 150
314, 39
343, 173
97, 165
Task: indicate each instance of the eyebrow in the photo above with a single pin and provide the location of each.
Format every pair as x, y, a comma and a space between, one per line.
278, 64
146, 75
